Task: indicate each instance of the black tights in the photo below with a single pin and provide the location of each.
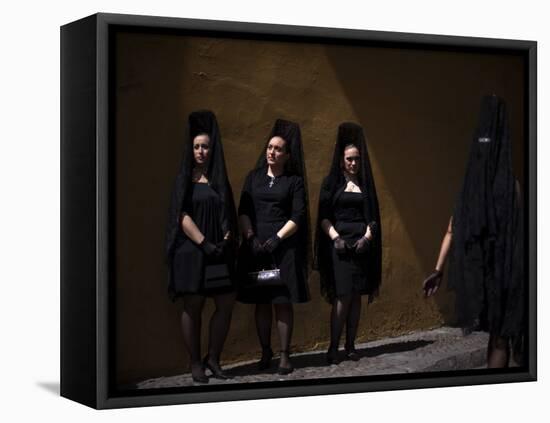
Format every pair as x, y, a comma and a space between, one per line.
220, 321
345, 310
498, 352
284, 317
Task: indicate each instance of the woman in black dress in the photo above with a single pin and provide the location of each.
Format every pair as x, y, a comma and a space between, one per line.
273, 214
201, 241
484, 240
348, 248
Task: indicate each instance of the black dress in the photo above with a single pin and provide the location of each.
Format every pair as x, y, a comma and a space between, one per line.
269, 208
350, 272
205, 207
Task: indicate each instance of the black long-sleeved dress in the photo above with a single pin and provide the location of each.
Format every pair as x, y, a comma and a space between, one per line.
269, 208
349, 270
205, 207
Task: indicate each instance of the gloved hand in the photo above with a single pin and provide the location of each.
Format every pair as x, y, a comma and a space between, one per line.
255, 245
339, 245
272, 243
208, 248
361, 245
432, 282
222, 245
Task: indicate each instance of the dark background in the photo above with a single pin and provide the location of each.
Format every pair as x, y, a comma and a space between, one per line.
418, 109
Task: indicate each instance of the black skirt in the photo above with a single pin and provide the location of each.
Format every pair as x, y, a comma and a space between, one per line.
189, 263
349, 269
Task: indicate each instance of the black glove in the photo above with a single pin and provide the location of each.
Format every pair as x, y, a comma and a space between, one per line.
272, 243
222, 245
208, 248
432, 282
339, 245
361, 245
255, 245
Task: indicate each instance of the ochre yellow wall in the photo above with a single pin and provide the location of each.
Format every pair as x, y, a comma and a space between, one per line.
418, 109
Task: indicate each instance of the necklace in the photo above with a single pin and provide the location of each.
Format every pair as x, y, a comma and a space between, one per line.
353, 187
199, 175
272, 180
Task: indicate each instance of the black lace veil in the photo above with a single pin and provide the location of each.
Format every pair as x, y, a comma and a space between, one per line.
333, 185
485, 227
201, 122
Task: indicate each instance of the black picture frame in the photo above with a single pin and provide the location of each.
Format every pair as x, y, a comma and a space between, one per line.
86, 206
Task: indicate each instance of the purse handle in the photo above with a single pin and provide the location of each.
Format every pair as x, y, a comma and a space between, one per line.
274, 263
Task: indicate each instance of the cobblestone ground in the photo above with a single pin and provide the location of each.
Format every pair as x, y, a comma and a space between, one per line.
436, 350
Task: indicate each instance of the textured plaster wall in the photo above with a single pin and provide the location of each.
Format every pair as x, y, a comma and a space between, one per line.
418, 109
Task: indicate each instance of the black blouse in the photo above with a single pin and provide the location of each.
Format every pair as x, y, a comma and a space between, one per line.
280, 201
207, 210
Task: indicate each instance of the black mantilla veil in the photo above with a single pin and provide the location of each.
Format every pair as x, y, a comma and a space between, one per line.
201, 122
486, 258
333, 185
295, 165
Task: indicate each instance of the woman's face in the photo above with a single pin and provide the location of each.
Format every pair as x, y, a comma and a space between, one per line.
351, 160
276, 153
201, 149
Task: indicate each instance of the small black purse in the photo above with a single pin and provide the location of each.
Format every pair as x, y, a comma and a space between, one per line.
269, 277
216, 276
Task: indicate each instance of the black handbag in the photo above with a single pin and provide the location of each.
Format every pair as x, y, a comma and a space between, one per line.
266, 277
216, 276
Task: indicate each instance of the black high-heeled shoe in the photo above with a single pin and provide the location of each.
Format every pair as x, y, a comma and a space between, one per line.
265, 361
285, 370
215, 368
332, 356
352, 354
198, 375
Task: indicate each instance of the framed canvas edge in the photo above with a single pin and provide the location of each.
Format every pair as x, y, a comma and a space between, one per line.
274, 391
532, 204
105, 20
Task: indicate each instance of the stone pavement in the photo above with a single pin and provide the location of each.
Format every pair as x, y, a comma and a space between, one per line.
435, 350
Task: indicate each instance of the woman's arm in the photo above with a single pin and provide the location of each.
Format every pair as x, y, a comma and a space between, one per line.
191, 230
246, 208
296, 218
368, 233
224, 221
430, 285
287, 230
445, 246
329, 229
246, 226
298, 213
